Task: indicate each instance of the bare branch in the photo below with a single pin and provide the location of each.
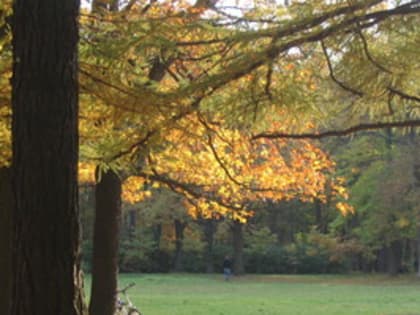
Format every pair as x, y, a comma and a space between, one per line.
403, 95
223, 166
188, 189
268, 83
332, 75
367, 53
146, 7
142, 142
338, 133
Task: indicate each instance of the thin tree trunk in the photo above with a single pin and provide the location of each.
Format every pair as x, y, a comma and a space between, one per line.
46, 237
179, 238
157, 233
209, 231
319, 216
381, 260
106, 225
416, 175
105, 240
394, 254
6, 205
393, 250
418, 251
87, 206
238, 246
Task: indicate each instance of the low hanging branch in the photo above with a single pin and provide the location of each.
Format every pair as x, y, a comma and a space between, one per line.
339, 133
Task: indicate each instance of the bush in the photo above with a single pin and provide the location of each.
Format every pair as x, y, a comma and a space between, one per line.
311, 252
315, 252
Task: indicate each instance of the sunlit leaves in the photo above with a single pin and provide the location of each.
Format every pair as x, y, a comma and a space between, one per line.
133, 189
86, 172
229, 172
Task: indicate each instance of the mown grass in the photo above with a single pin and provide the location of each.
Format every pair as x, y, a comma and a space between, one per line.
187, 294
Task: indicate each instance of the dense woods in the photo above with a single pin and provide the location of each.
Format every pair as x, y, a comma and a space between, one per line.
292, 236
283, 134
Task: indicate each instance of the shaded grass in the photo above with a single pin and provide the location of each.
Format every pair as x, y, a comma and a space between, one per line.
188, 294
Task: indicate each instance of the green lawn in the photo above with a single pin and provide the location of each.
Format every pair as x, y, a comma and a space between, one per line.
186, 294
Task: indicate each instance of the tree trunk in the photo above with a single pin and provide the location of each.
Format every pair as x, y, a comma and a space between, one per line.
394, 252
319, 216
87, 206
209, 231
381, 260
157, 233
105, 245
132, 224
416, 175
179, 238
106, 226
238, 246
46, 236
418, 250
6, 205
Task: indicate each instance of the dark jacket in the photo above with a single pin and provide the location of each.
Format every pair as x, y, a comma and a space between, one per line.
227, 263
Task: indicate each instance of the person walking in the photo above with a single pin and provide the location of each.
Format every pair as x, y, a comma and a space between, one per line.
227, 268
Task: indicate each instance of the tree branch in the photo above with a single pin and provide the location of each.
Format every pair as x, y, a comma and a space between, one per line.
338, 133
367, 52
187, 188
403, 95
223, 166
332, 75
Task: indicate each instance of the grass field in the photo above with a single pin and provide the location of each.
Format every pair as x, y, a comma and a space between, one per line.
186, 294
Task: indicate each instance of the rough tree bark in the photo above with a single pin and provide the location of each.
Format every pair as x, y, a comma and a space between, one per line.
105, 239
5, 238
46, 238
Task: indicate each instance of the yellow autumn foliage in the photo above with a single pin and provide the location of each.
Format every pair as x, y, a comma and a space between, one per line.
230, 171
